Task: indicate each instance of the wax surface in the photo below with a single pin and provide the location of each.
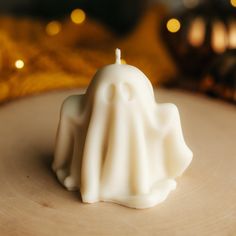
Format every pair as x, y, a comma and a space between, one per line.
115, 143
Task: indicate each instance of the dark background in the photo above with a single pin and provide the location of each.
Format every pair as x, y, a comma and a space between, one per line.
119, 15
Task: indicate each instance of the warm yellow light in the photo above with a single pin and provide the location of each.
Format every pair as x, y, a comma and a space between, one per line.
197, 31
232, 35
173, 25
19, 64
219, 40
78, 16
123, 61
53, 28
233, 3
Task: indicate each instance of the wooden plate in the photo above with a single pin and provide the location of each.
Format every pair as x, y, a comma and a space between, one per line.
32, 202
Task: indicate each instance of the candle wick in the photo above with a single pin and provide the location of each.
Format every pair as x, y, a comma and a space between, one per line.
118, 56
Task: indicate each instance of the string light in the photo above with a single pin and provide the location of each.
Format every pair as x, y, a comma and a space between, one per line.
232, 34
53, 28
19, 64
219, 39
233, 3
197, 32
173, 25
78, 16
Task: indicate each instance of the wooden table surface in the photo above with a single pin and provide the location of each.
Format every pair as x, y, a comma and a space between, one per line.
32, 202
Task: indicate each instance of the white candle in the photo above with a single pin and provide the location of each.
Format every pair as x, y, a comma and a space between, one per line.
115, 143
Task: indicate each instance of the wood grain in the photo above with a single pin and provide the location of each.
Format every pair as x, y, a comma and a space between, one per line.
32, 202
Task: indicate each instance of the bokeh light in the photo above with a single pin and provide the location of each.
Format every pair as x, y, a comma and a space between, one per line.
173, 25
19, 64
219, 38
53, 28
233, 3
197, 32
78, 16
232, 34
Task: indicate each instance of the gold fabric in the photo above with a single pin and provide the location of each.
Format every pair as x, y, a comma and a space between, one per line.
70, 58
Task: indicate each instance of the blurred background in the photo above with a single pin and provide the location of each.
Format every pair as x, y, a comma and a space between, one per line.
58, 44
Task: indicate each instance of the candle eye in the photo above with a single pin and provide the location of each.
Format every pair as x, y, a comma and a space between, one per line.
126, 91
110, 92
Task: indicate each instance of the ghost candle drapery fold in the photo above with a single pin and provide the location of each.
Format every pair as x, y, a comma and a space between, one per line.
115, 143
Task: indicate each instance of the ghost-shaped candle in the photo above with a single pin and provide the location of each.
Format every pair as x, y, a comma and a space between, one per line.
115, 143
